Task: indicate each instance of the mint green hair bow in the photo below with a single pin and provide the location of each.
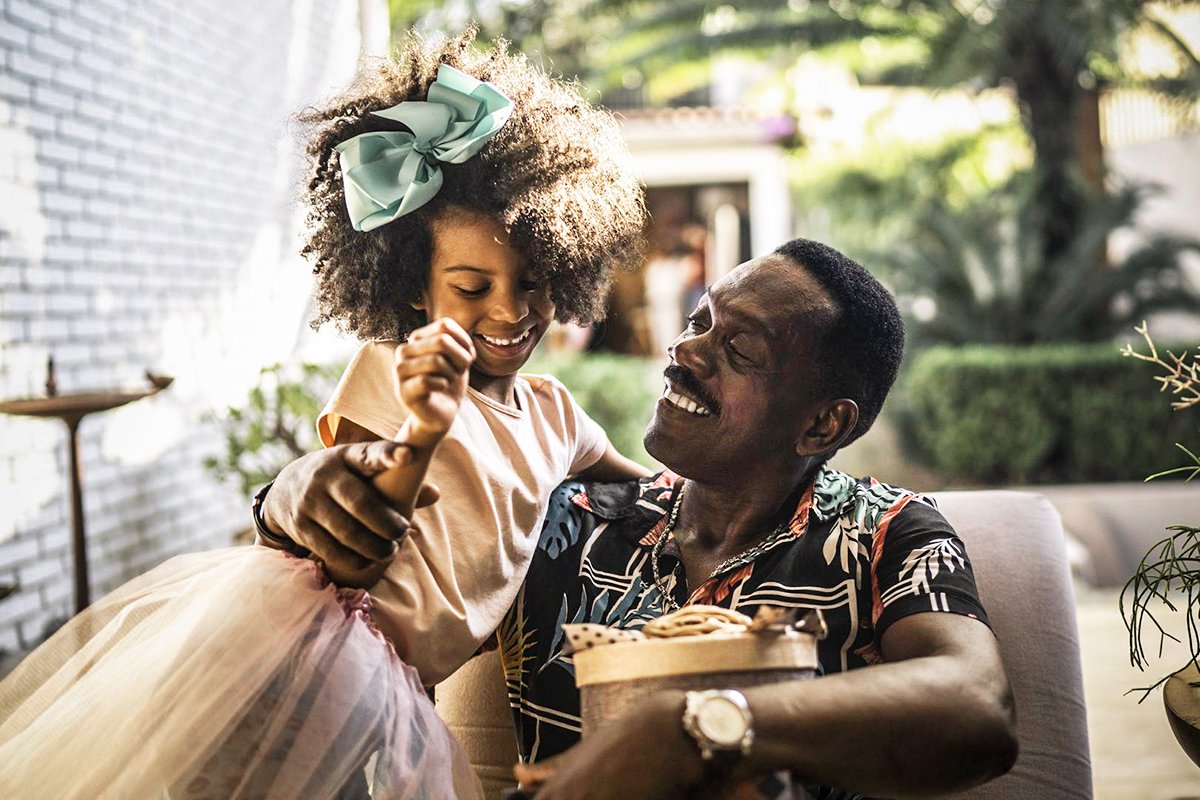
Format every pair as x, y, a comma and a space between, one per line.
388, 174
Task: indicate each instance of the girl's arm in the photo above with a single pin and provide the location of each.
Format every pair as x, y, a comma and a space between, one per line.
431, 378
431, 381
613, 466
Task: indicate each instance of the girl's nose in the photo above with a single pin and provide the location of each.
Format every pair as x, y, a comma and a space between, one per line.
511, 307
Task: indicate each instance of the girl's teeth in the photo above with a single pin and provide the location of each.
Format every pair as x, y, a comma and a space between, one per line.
505, 342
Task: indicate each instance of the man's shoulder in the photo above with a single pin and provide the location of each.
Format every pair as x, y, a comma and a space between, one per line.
867, 499
619, 499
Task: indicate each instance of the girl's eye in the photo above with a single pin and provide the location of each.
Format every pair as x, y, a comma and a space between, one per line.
466, 291
530, 285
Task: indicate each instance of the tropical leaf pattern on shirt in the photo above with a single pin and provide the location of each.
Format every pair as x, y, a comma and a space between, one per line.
844, 544
517, 644
864, 553
924, 563
855, 512
562, 524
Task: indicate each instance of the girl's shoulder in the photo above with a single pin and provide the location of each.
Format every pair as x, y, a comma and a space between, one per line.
546, 386
548, 392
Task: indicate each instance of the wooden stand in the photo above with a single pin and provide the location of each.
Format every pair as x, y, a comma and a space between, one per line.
71, 409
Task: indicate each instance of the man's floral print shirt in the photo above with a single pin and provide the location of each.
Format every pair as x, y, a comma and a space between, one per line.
865, 553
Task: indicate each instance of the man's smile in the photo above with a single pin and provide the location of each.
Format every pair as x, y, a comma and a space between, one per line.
679, 399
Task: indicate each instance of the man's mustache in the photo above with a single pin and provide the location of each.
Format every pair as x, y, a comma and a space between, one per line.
690, 385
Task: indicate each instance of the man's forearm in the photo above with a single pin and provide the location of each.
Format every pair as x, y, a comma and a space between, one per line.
909, 728
935, 719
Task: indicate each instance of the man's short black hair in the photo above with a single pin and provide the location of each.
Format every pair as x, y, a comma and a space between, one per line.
861, 351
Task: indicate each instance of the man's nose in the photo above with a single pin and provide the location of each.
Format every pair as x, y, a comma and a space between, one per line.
691, 353
511, 307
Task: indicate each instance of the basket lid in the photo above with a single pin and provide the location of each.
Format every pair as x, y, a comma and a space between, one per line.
694, 655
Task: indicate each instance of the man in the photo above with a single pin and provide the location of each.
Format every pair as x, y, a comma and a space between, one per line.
786, 359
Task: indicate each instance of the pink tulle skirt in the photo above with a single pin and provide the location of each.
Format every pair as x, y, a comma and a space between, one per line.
239, 673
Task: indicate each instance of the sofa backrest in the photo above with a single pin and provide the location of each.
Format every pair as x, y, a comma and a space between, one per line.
1017, 547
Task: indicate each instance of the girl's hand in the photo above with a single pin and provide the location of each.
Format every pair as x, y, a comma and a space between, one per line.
431, 378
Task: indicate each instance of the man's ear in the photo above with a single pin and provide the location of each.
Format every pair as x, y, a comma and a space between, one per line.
828, 428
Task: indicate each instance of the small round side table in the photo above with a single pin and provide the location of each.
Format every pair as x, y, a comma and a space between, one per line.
71, 409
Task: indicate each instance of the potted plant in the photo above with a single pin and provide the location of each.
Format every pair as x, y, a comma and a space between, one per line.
1169, 573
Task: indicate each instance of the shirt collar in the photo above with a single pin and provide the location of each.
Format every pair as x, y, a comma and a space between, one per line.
648, 497
646, 502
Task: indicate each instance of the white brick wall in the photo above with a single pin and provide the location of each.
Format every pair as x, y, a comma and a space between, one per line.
147, 181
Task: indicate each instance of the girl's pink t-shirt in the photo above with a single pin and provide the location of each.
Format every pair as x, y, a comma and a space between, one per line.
452, 582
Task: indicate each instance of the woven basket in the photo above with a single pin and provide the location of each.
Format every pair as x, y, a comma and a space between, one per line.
613, 678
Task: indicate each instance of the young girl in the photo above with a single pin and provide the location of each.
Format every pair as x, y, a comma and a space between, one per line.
454, 186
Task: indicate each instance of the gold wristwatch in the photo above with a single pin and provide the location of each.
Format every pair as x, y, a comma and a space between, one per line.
720, 722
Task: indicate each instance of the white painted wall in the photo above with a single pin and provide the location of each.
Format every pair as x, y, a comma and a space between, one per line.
147, 219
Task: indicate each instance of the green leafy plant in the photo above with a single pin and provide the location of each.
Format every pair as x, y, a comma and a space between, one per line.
1169, 573
276, 425
975, 276
1054, 56
1033, 414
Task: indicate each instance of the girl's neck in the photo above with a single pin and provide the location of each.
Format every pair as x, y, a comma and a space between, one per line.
502, 389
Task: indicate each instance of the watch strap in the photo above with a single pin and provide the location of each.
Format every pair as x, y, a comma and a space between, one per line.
278, 539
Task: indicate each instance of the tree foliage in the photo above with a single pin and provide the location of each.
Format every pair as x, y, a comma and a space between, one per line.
275, 426
976, 275
1053, 54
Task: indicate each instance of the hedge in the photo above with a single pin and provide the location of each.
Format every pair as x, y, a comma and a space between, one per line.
1041, 414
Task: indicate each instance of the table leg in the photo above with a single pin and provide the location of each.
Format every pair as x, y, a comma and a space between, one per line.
78, 542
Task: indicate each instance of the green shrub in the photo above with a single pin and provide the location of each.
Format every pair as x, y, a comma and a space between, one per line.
276, 425
617, 391
1039, 414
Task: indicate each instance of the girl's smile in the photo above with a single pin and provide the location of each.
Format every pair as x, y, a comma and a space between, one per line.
484, 284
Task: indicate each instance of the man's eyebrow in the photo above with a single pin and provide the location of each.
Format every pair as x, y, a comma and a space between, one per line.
760, 326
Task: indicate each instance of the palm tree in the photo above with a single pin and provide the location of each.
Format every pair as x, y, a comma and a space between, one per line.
976, 276
1055, 55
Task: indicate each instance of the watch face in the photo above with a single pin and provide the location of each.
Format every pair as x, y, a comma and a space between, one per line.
721, 721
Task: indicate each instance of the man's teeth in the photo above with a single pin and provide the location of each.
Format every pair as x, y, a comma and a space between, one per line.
506, 342
686, 403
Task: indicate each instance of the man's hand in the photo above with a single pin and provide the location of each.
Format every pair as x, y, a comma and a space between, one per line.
431, 378
325, 502
645, 755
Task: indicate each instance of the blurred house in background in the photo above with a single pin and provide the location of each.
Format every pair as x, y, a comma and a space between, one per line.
717, 192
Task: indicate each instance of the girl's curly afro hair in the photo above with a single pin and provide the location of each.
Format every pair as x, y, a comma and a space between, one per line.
558, 176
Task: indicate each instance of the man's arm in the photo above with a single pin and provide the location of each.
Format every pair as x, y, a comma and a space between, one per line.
326, 502
937, 716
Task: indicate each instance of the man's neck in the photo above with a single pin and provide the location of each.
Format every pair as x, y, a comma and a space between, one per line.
719, 520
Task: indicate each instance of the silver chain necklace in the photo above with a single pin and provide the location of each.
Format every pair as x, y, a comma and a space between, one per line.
780, 533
